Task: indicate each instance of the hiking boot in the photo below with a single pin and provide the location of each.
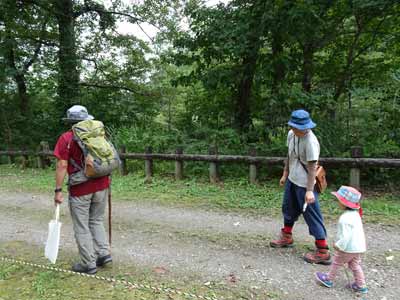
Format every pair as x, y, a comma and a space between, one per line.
319, 256
358, 289
104, 260
285, 240
322, 278
79, 268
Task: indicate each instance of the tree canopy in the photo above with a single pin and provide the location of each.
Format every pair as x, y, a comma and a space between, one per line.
227, 74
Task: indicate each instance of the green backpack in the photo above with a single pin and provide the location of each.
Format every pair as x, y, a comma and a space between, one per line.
99, 155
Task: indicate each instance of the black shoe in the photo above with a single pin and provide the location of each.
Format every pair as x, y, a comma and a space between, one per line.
79, 268
104, 260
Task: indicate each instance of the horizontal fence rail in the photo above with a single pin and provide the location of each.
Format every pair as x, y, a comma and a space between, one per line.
355, 163
326, 161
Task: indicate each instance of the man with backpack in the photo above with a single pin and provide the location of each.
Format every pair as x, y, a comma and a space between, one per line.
87, 196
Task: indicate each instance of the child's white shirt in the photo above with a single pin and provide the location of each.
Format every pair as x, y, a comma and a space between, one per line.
350, 234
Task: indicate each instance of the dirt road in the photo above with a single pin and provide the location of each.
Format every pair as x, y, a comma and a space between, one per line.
211, 246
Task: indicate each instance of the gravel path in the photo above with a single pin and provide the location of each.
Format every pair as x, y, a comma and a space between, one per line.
211, 246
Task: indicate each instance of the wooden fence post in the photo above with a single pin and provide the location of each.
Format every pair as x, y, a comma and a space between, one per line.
253, 167
148, 166
123, 168
179, 165
25, 159
356, 152
214, 178
46, 159
10, 158
40, 161
43, 160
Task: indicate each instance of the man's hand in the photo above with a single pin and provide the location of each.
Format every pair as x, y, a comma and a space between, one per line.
58, 198
283, 180
284, 177
61, 171
309, 198
285, 174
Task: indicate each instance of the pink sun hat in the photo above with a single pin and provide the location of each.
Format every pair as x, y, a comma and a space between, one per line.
348, 196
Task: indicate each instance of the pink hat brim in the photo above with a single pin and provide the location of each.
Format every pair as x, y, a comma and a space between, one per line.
346, 202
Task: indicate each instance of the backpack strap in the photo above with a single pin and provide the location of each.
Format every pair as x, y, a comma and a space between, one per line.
76, 166
72, 161
298, 153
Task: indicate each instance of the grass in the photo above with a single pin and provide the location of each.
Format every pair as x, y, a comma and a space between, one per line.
233, 195
29, 283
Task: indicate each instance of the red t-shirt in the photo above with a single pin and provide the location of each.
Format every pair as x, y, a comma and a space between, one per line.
63, 152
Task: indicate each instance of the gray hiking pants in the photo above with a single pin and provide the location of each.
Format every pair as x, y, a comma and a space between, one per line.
87, 214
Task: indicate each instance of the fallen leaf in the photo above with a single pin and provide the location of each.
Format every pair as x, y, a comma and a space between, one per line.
160, 270
232, 278
389, 257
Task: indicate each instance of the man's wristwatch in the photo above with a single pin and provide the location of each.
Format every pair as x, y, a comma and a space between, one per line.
58, 190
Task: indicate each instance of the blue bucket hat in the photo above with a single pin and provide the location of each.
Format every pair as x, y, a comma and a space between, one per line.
300, 119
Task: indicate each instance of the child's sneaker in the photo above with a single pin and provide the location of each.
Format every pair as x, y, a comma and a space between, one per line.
322, 278
357, 289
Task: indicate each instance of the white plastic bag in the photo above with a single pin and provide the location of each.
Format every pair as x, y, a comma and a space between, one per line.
53, 239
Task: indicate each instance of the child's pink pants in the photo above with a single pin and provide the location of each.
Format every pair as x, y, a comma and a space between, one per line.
354, 262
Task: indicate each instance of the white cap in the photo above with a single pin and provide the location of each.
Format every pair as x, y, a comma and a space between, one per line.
78, 113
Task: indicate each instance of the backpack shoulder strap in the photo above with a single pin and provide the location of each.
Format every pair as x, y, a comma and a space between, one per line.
71, 160
76, 166
298, 155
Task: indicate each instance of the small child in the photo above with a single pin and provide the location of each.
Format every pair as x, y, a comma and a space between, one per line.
351, 241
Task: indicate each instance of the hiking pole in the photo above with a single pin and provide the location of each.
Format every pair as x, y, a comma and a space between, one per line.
109, 214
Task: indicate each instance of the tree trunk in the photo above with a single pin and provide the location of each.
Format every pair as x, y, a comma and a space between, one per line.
248, 67
308, 54
18, 75
347, 71
68, 79
278, 67
242, 113
274, 115
22, 94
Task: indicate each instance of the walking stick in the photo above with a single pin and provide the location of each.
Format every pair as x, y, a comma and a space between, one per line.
109, 214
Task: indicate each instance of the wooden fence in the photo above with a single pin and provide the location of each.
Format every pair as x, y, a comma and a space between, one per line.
355, 163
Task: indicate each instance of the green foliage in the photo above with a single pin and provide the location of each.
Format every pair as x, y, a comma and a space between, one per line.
136, 139
337, 46
43, 282
230, 79
7, 271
